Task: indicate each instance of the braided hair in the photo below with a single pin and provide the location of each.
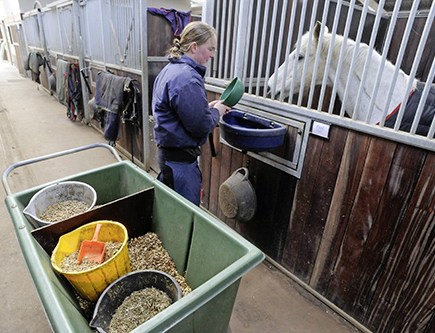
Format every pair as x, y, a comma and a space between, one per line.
195, 32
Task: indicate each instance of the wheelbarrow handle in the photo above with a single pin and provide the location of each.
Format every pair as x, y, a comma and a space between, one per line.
50, 156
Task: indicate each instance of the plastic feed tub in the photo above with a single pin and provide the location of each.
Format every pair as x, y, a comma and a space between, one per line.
92, 282
233, 93
249, 132
115, 294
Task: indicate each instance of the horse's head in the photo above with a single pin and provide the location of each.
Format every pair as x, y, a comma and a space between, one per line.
298, 58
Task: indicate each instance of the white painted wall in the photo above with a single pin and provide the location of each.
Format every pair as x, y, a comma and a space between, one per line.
8, 8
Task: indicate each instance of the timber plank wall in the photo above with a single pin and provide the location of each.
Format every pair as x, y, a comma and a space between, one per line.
358, 226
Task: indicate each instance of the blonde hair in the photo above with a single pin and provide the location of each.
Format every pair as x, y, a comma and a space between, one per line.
195, 32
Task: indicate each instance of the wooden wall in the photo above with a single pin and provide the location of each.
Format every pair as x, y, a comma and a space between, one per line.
358, 226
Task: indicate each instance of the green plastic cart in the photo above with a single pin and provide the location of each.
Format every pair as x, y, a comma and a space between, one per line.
212, 255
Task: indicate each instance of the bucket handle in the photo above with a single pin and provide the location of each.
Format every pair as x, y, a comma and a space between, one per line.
245, 173
54, 155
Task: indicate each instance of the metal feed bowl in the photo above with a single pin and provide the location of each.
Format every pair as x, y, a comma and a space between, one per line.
68, 190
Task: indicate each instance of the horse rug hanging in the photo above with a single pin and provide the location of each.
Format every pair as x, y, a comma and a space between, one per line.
410, 111
74, 100
117, 99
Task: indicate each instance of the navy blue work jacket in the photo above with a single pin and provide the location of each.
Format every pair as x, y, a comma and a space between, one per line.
182, 115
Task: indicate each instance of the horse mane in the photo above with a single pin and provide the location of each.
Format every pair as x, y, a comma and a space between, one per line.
362, 53
361, 64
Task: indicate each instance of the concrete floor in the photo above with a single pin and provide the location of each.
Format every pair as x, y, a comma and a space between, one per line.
33, 123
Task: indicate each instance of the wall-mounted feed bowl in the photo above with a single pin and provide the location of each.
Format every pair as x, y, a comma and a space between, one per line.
249, 132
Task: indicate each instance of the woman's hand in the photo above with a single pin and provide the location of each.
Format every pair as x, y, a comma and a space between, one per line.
213, 103
222, 108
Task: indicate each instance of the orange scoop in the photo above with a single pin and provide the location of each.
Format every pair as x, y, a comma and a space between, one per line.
93, 250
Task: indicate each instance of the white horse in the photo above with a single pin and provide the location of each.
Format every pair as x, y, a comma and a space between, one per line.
400, 86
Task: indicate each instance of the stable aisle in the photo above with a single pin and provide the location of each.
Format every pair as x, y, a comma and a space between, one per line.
33, 123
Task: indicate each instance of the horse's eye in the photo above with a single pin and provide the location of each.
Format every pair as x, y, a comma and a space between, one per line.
300, 57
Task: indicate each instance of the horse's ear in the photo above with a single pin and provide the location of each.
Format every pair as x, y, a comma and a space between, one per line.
317, 30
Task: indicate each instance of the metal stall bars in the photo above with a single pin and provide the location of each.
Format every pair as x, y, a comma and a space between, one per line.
247, 51
116, 38
356, 48
31, 28
415, 65
270, 32
379, 76
99, 34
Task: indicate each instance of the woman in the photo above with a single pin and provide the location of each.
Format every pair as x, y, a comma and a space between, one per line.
183, 117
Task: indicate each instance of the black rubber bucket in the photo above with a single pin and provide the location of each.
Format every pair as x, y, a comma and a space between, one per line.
116, 293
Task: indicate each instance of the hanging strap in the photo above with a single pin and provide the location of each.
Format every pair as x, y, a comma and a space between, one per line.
85, 78
47, 62
115, 39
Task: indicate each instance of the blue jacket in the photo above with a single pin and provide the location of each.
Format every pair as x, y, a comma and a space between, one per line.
182, 116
